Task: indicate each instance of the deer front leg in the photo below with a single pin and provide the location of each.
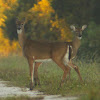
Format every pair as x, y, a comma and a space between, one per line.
30, 62
76, 69
36, 79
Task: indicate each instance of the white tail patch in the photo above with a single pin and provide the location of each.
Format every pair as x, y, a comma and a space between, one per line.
71, 49
66, 57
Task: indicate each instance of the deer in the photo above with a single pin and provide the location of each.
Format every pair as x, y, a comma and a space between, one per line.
76, 42
36, 52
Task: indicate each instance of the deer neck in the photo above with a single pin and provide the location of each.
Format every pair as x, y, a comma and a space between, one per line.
22, 38
76, 42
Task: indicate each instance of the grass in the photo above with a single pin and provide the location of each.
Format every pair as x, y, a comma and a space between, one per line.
15, 69
92, 95
21, 98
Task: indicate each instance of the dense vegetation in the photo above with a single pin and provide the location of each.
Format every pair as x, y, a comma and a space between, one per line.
50, 20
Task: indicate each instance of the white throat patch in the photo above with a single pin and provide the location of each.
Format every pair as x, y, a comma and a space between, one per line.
80, 38
19, 31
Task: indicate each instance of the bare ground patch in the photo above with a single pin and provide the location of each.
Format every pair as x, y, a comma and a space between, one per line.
10, 91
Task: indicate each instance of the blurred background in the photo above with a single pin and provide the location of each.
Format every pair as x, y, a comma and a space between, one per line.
50, 20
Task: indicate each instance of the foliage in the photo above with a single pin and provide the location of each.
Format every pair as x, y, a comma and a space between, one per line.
50, 20
93, 34
90, 44
38, 18
5, 46
59, 25
96, 15
43, 23
78, 12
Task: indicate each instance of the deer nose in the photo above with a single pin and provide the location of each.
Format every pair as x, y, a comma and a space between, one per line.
80, 35
18, 28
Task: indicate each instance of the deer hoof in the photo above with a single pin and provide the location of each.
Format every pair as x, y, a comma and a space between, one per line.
31, 88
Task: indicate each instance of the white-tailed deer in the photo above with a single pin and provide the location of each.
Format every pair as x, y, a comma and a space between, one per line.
75, 46
38, 51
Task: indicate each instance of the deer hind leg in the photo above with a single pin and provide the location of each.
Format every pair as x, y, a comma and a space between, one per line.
30, 62
76, 69
69, 72
64, 68
36, 79
65, 74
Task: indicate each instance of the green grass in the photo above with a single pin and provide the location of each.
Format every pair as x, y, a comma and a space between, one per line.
92, 95
15, 69
21, 98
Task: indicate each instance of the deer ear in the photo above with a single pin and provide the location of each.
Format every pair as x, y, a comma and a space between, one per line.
17, 20
24, 20
83, 27
72, 27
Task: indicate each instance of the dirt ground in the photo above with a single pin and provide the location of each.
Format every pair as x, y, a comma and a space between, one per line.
9, 91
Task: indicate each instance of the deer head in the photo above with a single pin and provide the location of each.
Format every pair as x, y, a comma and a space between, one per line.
20, 25
78, 31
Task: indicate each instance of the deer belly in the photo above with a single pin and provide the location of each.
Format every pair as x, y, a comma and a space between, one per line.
42, 57
43, 60
67, 56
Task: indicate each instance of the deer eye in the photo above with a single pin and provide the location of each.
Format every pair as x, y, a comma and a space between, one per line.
76, 31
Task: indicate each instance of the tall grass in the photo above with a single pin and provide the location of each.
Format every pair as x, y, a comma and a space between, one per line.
15, 69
